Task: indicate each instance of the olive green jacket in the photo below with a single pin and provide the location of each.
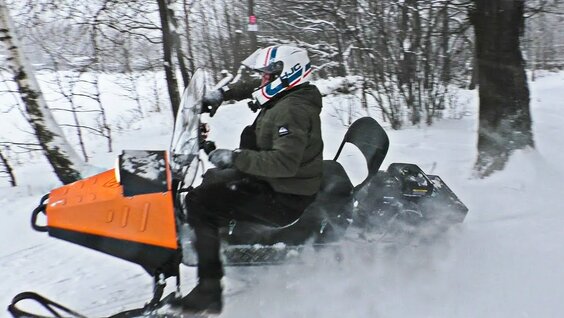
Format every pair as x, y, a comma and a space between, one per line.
289, 148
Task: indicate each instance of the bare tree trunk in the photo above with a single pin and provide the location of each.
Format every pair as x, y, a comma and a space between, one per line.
223, 43
171, 82
475, 70
8, 169
505, 119
105, 129
445, 34
186, 7
66, 163
69, 95
252, 34
177, 44
232, 36
237, 51
130, 85
209, 46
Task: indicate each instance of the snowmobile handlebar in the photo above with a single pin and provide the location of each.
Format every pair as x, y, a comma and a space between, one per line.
39, 209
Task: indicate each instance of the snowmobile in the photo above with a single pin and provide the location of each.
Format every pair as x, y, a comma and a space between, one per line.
135, 211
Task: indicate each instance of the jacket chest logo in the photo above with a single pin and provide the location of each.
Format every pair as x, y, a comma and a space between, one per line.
283, 131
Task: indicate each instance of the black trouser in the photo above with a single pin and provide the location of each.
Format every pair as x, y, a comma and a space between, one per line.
226, 195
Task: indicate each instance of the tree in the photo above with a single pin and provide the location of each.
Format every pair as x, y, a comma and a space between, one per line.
505, 119
168, 42
543, 41
7, 168
65, 162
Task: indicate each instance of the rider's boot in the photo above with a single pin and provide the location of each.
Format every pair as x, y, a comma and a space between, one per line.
206, 297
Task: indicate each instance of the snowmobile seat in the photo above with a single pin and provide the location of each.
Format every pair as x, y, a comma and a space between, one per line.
331, 207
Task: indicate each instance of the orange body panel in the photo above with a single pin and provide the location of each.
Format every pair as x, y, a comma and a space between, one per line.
96, 205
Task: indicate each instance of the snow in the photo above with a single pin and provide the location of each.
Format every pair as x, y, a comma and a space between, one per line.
503, 261
145, 164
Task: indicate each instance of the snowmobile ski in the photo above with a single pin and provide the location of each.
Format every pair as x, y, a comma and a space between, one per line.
156, 308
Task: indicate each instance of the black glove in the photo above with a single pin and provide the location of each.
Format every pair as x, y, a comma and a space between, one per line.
222, 158
211, 101
208, 146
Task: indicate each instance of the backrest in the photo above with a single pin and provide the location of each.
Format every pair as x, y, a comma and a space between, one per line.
372, 141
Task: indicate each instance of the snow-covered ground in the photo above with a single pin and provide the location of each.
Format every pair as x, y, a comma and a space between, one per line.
503, 261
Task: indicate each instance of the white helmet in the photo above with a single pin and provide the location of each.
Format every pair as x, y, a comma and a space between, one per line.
282, 67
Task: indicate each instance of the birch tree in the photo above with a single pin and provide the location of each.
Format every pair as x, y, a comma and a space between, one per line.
66, 163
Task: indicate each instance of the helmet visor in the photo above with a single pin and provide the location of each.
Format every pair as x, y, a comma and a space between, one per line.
264, 61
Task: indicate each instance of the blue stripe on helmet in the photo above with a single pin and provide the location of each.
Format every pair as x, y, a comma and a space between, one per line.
273, 54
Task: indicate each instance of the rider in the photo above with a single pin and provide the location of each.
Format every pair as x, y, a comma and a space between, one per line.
273, 176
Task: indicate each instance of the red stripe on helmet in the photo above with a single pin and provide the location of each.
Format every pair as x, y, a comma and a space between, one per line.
266, 58
263, 91
300, 79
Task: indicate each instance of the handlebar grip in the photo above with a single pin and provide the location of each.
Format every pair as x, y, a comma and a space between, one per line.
208, 146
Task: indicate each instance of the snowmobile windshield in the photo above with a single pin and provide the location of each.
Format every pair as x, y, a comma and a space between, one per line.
251, 60
185, 146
